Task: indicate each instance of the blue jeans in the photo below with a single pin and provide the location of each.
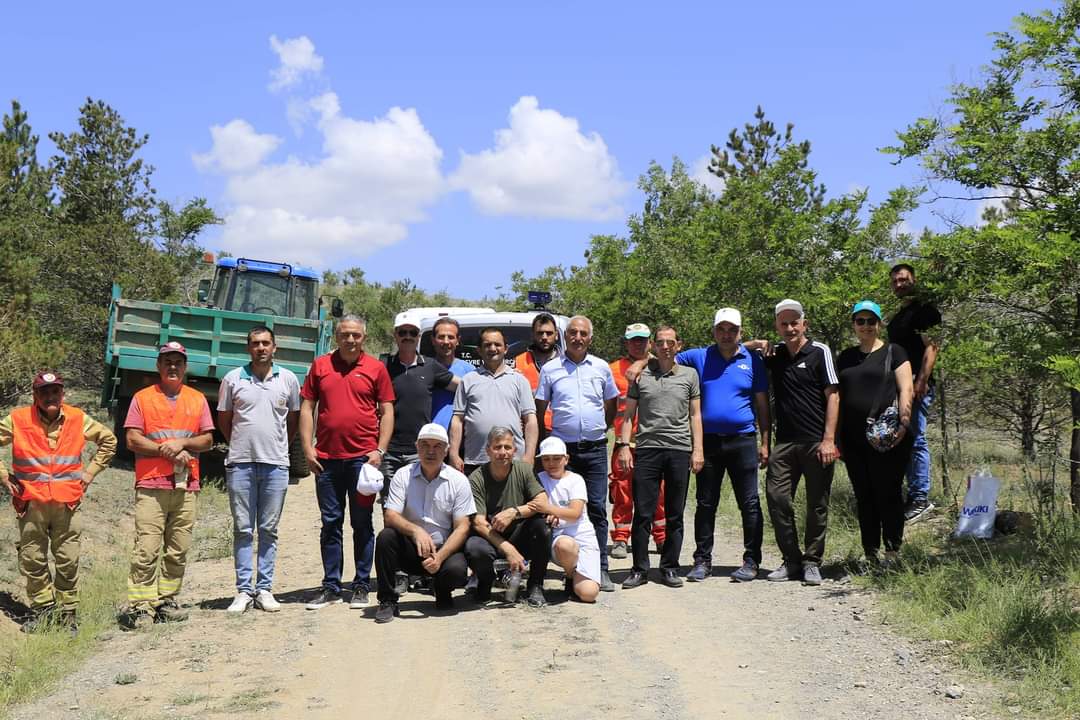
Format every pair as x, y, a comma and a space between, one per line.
918, 471
736, 455
333, 485
592, 464
256, 498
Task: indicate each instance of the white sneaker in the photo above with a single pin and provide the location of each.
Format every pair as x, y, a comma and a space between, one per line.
265, 601
240, 603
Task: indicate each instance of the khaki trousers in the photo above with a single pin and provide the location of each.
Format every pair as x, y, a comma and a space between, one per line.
164, 520
45, 524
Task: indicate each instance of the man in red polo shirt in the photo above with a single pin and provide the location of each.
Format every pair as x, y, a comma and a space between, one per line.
355, 401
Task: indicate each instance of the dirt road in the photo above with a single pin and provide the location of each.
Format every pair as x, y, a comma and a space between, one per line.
711, 650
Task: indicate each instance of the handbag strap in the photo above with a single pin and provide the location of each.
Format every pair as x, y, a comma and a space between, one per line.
884, 381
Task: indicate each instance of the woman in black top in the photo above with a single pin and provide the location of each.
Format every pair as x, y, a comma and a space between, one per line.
876, 477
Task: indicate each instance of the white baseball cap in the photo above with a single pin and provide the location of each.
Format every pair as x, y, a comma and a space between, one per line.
433, 431
728, 315
369, 480
406, 318
552, 446
789, 304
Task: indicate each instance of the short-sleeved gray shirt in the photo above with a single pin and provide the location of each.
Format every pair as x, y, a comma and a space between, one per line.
663, 409
434, 505
483, 401
260, 409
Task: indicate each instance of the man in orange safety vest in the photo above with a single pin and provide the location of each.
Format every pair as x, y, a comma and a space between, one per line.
47, 482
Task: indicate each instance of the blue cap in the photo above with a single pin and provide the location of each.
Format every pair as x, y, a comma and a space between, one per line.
869, 306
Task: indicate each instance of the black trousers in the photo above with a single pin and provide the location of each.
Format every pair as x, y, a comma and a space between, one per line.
877, 479
787, 463
737, 456
651, 467
532, 538
394, 552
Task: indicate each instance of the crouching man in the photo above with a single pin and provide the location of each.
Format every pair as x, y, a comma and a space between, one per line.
426, 521
46, 486
504, 524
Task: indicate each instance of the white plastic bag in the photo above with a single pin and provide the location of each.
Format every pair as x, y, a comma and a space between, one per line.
980, 506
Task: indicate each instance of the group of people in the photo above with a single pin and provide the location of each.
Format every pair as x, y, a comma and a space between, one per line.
507, 461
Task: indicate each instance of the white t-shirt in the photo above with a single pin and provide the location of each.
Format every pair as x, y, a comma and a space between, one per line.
433, 505
570, 486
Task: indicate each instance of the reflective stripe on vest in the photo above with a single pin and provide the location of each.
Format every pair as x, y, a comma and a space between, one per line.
618, 370
48, 474
164, 420
525, 365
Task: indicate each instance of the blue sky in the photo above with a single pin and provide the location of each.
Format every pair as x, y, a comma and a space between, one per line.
455, 143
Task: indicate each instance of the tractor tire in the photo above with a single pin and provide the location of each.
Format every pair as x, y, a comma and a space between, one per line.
298, 464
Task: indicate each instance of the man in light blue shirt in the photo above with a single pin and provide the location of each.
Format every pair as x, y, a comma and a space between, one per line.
445, 336
583, 397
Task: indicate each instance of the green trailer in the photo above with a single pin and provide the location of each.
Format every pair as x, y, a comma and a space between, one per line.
242, 294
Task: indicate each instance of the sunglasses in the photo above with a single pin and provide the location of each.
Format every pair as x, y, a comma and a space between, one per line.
408, 333
866, 321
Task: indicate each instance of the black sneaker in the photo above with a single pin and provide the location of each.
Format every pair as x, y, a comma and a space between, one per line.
536, 598
747, 572
401, 583
324, 598
699, 572
635, 579
671, 578
359, 599
444, 601
917, 509
482, 592
388, 610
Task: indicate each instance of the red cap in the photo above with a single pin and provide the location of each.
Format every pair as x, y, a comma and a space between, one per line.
46, 378
172, 347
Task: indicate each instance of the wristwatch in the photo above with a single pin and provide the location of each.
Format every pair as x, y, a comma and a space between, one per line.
621, 444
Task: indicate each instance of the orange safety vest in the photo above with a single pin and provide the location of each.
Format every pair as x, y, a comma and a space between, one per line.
526, 365
162, 420
618, 369
48, 474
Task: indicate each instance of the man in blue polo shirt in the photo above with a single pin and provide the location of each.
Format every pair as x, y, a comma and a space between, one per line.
445, 336
734, 404
583, 397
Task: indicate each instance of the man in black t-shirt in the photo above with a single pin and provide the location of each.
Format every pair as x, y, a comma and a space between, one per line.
415, 377
804, 383
914, 328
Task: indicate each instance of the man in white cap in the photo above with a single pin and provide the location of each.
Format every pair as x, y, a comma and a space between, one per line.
426, 520
415, 379
805, 391
734, 404
620, 479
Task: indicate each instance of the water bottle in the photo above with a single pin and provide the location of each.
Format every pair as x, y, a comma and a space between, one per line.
181, 470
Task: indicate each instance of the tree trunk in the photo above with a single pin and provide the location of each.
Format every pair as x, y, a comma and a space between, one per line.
943, 420
1074, 452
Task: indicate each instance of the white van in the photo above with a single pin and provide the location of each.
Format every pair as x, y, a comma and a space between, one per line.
516, 327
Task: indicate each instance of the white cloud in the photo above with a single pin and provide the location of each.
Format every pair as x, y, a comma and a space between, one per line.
700, 173
297, 56
543, 166
373, 177
236, 148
